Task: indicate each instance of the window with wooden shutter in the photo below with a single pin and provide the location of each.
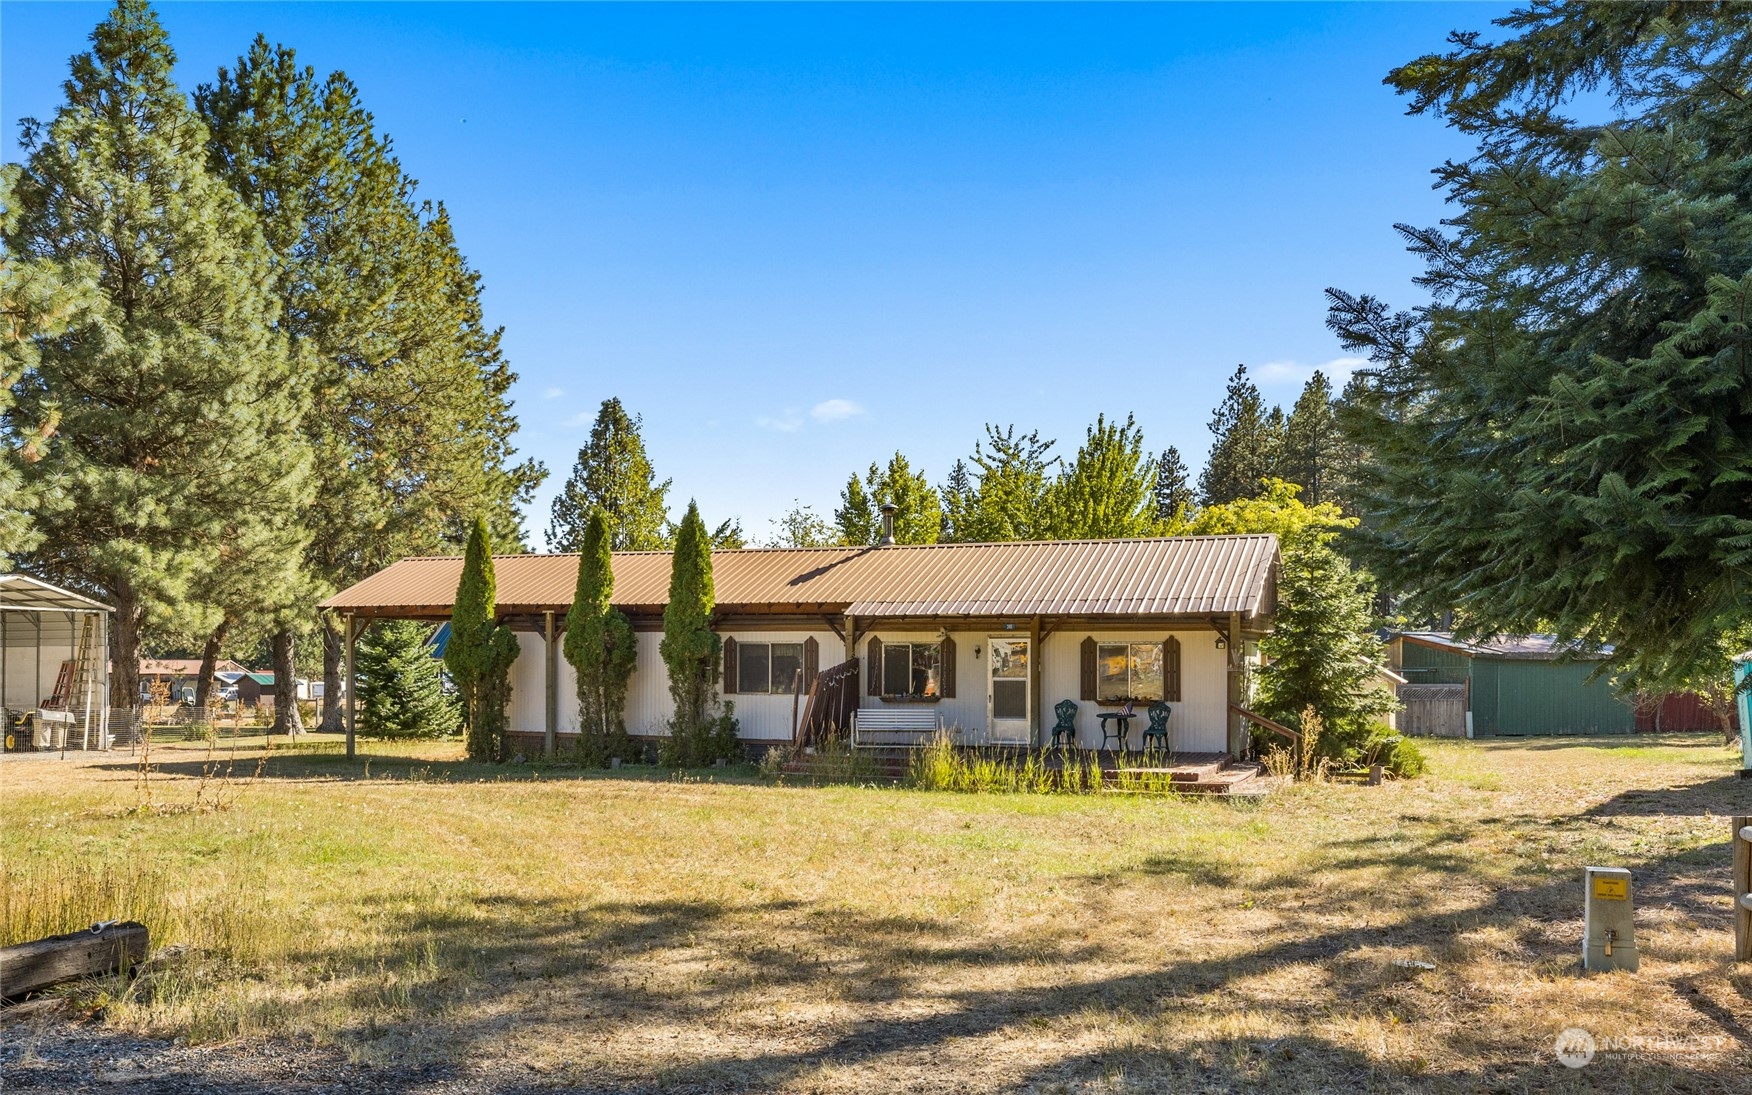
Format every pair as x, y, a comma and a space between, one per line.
1171, 669
875, 666
730, 676
946, 667
811, 662
1088, 664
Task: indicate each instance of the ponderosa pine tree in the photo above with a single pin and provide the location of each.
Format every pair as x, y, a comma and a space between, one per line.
613, 474
40, 297
601, 647
1105, 492
1246, 444
690, 648
401, 692
481, 649
177, 453
1311, 442
410, 420
1172, 490
1562, 439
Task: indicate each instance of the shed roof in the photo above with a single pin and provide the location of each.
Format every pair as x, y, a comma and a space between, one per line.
1172, 576
22, 592
1537, 648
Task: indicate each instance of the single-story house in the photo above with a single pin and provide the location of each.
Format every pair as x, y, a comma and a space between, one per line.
1511, 686
983, 638
179, 675
257, 689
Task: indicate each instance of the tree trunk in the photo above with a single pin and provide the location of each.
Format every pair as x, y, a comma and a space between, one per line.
286, 718
209, 660
125, 652
333, 653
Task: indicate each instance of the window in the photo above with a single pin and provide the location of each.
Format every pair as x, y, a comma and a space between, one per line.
767, 667
1128, 671
912, 669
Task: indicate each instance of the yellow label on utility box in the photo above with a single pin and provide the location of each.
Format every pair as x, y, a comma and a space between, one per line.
1611, 889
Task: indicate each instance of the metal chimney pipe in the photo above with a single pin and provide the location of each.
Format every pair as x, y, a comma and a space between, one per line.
888, 510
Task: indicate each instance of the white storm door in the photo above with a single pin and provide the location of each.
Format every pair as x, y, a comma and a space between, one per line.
1007, 692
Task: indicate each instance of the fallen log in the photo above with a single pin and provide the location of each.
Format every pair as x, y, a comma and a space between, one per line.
100, 949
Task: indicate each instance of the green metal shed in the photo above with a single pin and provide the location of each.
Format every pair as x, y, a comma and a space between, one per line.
1513, 686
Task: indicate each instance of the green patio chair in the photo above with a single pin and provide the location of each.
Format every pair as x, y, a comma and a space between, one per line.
1158, 727
1066, 710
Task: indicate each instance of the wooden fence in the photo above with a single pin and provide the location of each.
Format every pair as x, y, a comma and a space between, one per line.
832, 699
1433, 710
1742, 842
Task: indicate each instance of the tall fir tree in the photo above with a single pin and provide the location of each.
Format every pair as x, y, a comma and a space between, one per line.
40, 298
1172, 490
1561, 440
481, 649
601, 647
1106, 491
613, 474
401, 691
1311, 442
177, 453
410, 420
690, 648
1245, 444
957, 495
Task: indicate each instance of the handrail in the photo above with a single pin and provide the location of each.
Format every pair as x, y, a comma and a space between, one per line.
1277, 728
828, 702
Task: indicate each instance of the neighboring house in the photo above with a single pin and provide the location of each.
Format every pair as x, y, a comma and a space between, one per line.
179, 675
251, 687
1510, 687
988, 637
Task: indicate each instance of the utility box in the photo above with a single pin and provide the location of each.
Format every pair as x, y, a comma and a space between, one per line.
1608, 920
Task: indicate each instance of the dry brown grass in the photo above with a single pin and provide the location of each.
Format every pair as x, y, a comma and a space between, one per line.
691, 933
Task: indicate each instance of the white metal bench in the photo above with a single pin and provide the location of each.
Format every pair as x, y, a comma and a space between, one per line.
902, 725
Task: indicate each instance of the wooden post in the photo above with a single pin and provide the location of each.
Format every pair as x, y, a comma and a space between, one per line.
851, 637
1034, 676
551, 685
352, 637
1743, 888
1237, 666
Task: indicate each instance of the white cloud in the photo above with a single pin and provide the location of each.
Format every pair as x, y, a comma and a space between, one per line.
1338, 371
552, 393
833, 410
788, 422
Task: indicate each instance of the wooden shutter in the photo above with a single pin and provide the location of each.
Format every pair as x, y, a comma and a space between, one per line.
1171, 669
811, 662
946, 667
875, 666
730, 666
1089, 679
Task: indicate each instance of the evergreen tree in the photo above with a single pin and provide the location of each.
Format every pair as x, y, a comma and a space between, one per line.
1106, 491
401, 692
410, 420
1562, 439
481, 650
957, 497
40, 298
729, 536
856, 519
690, 649
612, 474
801, 527
601, 647
177, 453
1172, 492
1311, 441
1011, 500
1246, 444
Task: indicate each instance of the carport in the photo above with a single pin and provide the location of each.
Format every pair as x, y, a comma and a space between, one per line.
54, 666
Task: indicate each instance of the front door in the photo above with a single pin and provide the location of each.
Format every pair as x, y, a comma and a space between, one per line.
1007, 692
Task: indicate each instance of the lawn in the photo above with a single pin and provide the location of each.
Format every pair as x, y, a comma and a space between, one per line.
529, 927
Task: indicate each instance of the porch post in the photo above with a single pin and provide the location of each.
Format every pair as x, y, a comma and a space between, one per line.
1034, 678
851, 636
352, 637
1237, 725
551, 685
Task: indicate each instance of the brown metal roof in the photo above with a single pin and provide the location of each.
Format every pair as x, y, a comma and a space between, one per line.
1179, 576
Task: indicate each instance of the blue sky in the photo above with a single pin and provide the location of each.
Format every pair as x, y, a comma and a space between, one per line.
796, 238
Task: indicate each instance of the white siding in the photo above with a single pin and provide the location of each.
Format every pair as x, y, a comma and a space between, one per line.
965, 713
1198, 723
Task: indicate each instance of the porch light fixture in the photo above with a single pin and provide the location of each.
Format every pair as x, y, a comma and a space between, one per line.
1222, 644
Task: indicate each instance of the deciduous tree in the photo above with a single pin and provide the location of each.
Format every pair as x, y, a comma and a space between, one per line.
1107, 489
1013, 484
